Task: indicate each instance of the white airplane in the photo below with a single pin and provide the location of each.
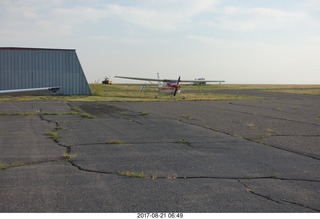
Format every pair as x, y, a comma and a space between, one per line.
30, 91
168, 86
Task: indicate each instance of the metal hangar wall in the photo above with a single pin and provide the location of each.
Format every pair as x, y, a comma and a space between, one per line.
22, 68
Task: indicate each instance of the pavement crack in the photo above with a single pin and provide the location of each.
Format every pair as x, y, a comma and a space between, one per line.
72, 162
256, 140
301, 205
135, 121
279, 135
247, 178
257, 194
4, 166
273, 117
180, 141
315, 157
92, 171
278, 201
53, 134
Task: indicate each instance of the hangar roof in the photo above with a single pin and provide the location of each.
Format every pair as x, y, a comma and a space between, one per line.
27, 48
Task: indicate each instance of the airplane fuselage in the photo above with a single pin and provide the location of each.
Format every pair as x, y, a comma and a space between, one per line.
169, 88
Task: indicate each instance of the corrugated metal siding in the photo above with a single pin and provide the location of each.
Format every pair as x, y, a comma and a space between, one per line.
30, 68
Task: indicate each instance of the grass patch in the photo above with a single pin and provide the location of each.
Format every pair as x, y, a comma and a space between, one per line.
130, 92
304, 91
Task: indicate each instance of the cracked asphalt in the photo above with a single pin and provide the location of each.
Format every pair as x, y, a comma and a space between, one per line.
197, 156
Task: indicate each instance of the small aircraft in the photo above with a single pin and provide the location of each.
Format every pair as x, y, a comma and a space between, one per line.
168, 86
41, 90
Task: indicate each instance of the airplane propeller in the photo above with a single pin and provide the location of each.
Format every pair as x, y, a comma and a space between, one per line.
175, 91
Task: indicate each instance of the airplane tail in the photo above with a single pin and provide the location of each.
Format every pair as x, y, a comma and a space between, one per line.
159, 83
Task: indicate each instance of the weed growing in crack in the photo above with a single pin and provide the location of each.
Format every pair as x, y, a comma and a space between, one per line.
269, 130
20, 114
172, 176
123, 113
36, 113
58, 127
4, 166
115, 141
68, 156
258, 138
252, 125
237, 135
143, 113
191, 117
132, 174
154, 177
186, 116
78, 111
53, 134
182, 141
86, 115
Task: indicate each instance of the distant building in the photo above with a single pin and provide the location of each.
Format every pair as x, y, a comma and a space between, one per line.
199, 81
22, 68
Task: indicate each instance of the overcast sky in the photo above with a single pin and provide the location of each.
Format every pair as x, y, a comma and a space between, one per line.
240, 41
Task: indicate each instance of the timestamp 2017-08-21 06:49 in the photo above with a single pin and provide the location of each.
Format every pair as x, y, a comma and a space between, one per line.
160, 215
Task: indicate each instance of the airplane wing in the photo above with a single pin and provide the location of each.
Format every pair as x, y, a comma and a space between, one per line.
191, 81
30, 91
167, 80
142, 79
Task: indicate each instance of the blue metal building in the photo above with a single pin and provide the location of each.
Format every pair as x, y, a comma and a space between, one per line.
22, 68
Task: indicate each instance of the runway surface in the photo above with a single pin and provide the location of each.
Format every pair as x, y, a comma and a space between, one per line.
197, 156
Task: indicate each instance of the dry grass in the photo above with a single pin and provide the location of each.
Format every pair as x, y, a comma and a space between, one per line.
130, 92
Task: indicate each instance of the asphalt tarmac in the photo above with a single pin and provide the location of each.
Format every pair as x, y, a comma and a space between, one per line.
197, 156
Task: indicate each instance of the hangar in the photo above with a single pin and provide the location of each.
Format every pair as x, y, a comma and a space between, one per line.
22, 68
